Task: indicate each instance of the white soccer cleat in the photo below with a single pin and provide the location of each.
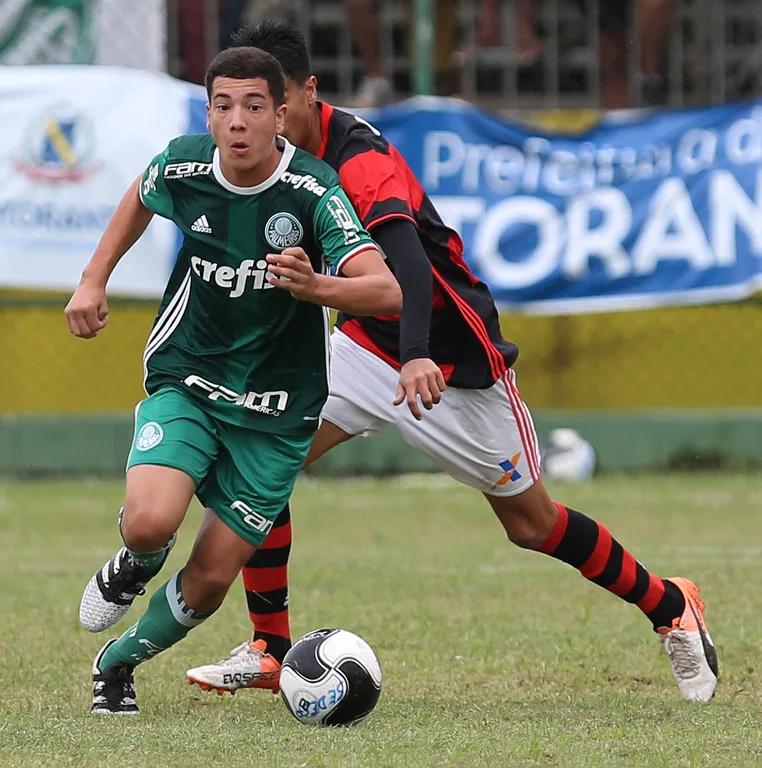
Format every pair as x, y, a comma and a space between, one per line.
248, 666
690, 647
112, 590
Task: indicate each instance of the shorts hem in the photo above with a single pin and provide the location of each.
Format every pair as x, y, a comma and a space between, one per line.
345, 429
505, 491
168, 465
236, 530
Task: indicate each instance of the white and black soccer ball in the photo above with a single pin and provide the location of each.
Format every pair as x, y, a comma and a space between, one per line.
568, 457
330, 677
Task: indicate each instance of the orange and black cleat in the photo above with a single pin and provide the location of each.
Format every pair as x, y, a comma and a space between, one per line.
690, 647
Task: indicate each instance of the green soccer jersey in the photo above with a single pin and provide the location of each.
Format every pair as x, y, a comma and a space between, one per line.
251, 353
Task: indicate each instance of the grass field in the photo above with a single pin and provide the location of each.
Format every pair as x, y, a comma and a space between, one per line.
491, 656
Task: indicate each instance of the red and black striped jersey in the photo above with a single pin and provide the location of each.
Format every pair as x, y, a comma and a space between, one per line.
465, 338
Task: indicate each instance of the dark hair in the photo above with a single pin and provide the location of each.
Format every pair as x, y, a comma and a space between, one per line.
284, 42
245, 63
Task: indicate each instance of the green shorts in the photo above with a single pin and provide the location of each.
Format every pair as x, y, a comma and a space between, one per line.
246, 476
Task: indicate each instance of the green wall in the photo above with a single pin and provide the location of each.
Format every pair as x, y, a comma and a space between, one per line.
97, 445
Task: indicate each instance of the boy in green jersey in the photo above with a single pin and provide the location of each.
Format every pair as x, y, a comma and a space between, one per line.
236, 366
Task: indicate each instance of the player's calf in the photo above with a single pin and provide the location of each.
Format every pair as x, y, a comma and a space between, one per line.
167, 620
527, 518
265, 579
672, 605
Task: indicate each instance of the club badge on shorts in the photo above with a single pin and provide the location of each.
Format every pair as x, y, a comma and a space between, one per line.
150, 436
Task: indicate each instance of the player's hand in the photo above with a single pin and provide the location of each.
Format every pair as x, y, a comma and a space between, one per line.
292, 271
420, 378
87, 311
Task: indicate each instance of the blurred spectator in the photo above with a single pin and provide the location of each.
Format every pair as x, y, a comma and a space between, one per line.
279, 10
202, 26
655, 23
192, 39
614, 19
375, 90
231, 15
528, 45
206, 25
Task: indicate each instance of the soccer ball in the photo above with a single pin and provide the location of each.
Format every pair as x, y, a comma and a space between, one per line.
568, 457
330, 677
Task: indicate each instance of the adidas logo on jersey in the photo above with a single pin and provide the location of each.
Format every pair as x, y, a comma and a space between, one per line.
201, 225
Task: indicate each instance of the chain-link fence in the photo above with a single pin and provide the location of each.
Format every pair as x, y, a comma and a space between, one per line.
506, 54
503, 54
693, 357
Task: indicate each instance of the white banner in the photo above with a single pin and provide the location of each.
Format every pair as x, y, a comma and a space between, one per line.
72, 139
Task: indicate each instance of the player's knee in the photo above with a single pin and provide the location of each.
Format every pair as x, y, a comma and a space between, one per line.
143, 530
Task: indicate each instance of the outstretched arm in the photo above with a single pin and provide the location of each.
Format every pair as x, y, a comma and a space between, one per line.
87, 310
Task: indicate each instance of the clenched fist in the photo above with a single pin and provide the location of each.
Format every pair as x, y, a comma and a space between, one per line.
87, 311
292, 271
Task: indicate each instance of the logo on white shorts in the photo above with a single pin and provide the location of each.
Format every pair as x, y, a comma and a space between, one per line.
510, 473
150, 435
283, 231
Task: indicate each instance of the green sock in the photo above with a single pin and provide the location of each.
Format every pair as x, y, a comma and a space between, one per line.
167, 620
150, 562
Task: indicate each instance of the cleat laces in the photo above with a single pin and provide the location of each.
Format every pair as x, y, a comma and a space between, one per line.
244, 649
680, 651
127, 581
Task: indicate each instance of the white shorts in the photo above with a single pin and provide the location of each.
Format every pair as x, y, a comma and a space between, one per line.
484, 438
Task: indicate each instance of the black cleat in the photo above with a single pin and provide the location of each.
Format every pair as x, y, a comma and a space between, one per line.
113, 687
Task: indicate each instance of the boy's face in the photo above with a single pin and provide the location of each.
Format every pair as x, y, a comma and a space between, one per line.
244, 121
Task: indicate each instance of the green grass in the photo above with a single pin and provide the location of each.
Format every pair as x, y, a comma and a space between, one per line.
491, 656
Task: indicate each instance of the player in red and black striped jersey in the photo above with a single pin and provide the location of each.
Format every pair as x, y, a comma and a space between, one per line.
451, 317
445, 347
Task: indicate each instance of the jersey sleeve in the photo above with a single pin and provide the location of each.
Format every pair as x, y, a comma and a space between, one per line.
377, 184
153, 188
338, 230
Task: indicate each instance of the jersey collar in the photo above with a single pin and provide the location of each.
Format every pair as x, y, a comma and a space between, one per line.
288, 154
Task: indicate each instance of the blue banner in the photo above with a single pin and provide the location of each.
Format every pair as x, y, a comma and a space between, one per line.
661, 210
664, 209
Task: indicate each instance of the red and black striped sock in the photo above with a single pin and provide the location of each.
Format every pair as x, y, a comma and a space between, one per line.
590, 548
265, 578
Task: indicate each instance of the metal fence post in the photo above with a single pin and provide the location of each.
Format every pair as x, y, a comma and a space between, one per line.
423, 36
